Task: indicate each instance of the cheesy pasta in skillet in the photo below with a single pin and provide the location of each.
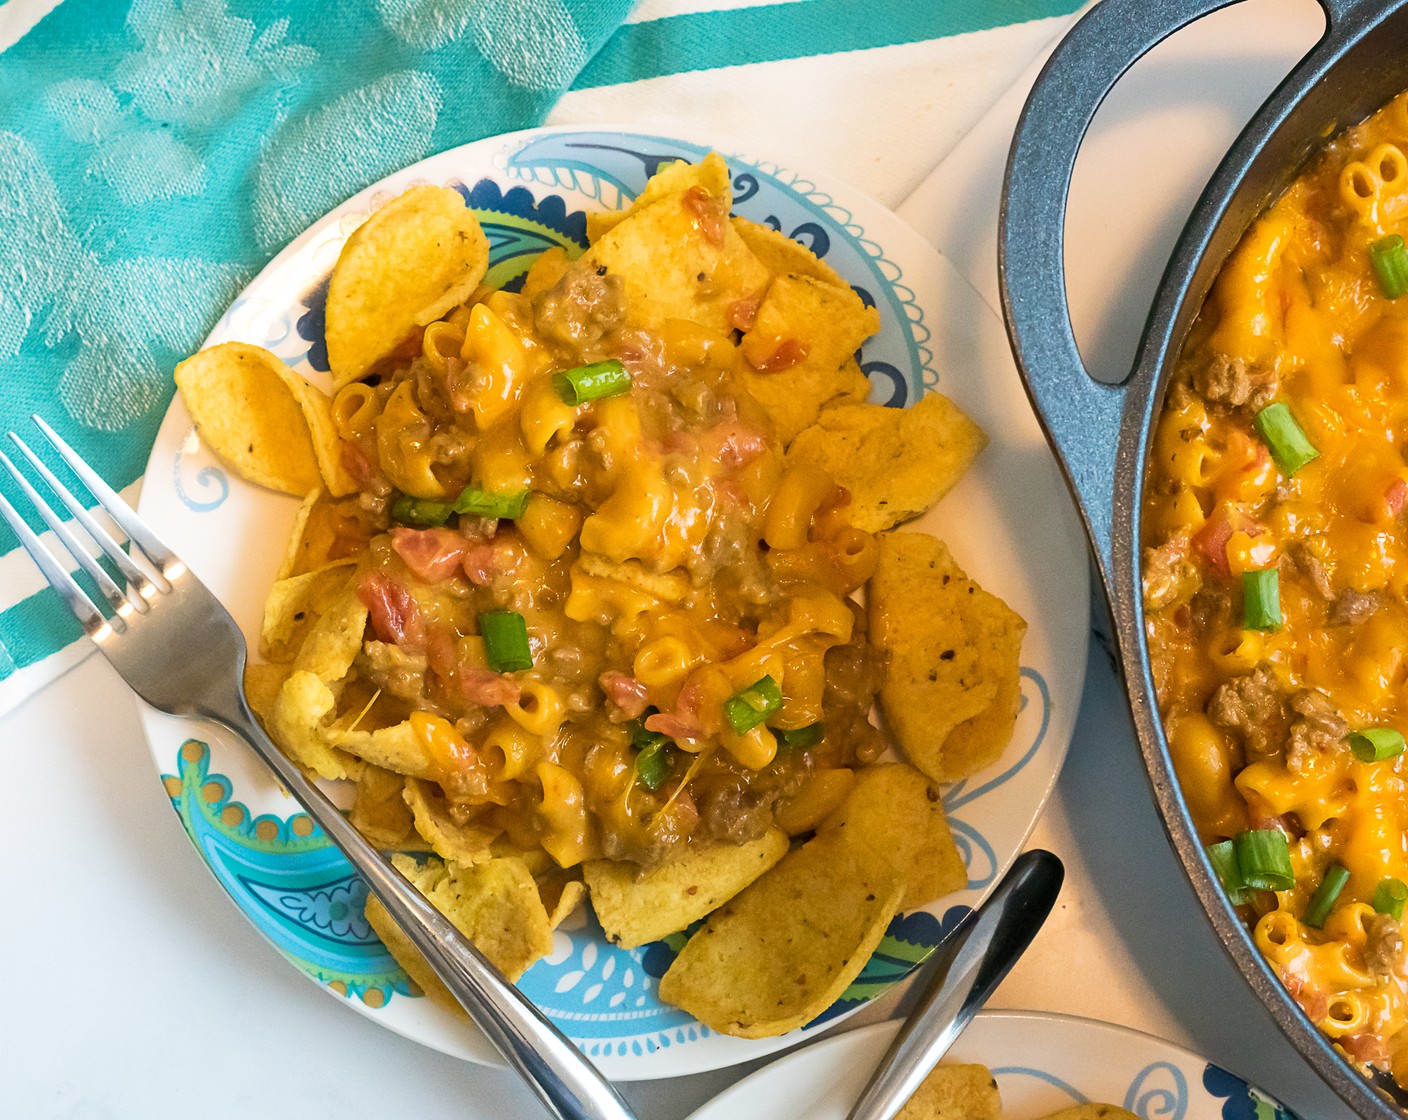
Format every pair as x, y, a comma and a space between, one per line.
1276, 584
572, 598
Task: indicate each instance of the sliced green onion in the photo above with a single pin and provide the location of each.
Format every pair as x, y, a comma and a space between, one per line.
798, 738
423, 513
1390, 262
1390, 897
1285, 439
1264, 859
642, 737
1326, 894
481, 503
426, 512
592, 383
653, 765
1261, 599
746, 709
1223, 857
1374, 744
505, 637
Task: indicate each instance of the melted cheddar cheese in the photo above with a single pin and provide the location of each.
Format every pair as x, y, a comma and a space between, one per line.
1258, 721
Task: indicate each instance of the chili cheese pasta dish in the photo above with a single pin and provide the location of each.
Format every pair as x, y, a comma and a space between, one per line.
572, 596
1276, 584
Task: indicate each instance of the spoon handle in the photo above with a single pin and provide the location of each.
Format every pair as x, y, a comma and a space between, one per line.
973, 965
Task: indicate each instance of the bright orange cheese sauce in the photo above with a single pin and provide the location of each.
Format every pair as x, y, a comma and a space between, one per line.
666, 559
1258, 720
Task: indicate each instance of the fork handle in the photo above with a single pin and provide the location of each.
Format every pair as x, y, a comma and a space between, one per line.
564, 1080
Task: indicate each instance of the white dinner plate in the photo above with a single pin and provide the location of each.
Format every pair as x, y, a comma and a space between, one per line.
1010, 523
1042, 1063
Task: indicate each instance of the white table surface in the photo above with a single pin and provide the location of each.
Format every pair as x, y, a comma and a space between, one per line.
133, 990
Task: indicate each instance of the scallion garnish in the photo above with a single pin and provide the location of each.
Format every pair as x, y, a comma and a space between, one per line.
1374, 744
1223, 857
481, 503
505, 637
1390, 896
592, 383
799, 738
642, 736
746, 709
1261, 599
1264, 859
1390, 262
1285, 439
653, 764
423, 513
1336, 876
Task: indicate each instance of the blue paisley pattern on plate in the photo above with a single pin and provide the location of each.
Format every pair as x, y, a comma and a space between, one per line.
1161, 1091
288, 879
296, 888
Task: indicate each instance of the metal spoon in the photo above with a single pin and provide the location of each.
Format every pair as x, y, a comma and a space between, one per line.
974, 963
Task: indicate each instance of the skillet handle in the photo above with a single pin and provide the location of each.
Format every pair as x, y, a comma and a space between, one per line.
1081, 415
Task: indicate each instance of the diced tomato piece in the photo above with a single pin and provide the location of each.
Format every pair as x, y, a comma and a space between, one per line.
1395, 496
1211, 540
1366, 1048
358, 464
391, 610
627, 693
743, 313
786, 354
485, 687
673, 725
707, 211
433, 555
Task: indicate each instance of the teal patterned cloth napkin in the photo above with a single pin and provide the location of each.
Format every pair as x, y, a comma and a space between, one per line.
155, 153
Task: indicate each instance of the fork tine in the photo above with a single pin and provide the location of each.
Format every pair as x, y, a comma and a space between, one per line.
131, 572
166, 561
96, 626
110, 590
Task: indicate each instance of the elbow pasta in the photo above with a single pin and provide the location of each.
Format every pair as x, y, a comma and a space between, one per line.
1259, 719
664, 560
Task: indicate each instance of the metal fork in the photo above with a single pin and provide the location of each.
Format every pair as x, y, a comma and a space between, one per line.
170, 639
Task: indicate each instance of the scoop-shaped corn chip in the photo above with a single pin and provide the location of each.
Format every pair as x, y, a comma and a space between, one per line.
896, 462
325, 530
799, 350
957, 1092
637, 909
380, 812
407, 265
782, 951
1094, 1112
494, 904
677, 266
569, 896
243, 401
262, 683
954, 652
327, 443
782, 255
298, 721
895, 816
396, 748
465, 844
295, 604
335, 639
710, 175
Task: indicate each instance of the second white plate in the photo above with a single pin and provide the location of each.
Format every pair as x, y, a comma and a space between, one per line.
1043, 1063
